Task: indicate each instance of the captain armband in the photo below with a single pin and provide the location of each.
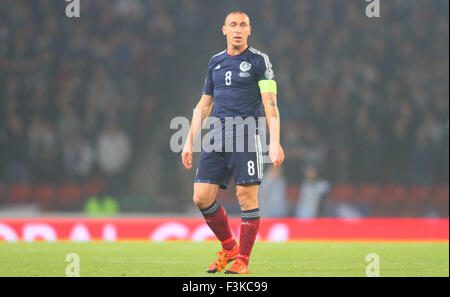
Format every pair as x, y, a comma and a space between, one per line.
267, 85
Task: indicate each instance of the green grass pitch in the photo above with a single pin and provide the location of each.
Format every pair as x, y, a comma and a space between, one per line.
183, 259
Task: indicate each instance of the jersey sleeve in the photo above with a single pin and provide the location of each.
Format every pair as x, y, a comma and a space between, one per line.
264, 70
265, 76
208, 88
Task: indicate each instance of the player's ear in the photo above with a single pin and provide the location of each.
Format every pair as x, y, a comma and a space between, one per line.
223, 30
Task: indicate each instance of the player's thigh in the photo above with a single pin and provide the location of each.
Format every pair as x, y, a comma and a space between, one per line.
204, 194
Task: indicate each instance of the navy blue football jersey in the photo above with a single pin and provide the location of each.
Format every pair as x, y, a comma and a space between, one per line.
233, 82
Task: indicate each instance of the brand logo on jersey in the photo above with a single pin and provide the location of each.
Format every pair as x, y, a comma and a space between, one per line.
245, 66
217, 67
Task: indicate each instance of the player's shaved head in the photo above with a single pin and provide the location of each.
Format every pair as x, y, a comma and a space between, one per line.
234, 12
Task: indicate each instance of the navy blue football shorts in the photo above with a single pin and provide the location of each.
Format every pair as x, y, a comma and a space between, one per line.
245, 166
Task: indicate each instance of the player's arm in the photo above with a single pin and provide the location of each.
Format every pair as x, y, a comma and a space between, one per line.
269, 99
201, 112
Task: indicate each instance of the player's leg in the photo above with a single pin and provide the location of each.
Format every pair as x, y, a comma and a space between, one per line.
204, 194
217, 219
247, 195
248, 173
250, 217
214, 213
211, 173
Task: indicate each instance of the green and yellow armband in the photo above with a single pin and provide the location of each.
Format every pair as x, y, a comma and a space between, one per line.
267, 85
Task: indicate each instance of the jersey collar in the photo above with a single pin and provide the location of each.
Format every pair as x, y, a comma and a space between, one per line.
226, 51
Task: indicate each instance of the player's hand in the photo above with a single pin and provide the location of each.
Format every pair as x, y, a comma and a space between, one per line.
276, 155
186, 156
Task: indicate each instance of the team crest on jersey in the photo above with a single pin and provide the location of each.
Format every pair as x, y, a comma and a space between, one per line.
245, 66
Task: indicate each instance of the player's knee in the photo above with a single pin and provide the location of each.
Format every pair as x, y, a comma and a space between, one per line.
246, 198
202, 200
198, 201
204, 194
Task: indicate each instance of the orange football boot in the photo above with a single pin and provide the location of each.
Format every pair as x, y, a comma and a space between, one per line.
238, 267
225, 257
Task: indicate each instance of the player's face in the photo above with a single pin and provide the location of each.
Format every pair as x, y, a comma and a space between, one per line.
237, 29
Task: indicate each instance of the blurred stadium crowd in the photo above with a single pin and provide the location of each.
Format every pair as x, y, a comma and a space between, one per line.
362, 101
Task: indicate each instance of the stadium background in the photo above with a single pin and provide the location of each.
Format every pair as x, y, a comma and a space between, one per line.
85, 104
